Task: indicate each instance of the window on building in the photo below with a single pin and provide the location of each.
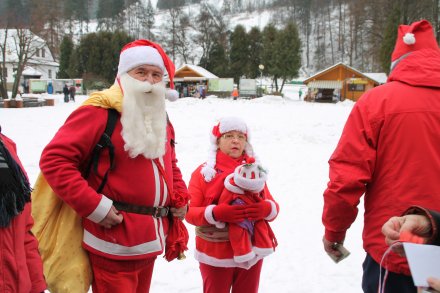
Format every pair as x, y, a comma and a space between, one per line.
43, 53
356, 87
37, 53
49, 73
4, 71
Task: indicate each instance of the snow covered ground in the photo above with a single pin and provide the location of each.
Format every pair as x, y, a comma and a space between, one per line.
293, 139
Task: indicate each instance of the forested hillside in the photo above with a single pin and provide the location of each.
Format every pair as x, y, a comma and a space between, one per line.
359, 33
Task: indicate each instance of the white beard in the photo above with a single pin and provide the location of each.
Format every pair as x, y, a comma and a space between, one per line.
143, 118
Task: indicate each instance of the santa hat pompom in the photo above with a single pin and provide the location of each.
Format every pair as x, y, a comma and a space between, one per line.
224, 125
171, 95
409, 39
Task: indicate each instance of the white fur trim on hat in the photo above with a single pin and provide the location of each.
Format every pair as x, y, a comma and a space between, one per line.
139, 55
224, 125
243, 177
409, 39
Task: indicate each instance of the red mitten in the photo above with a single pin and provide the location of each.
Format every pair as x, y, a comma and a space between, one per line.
229, 213
259, 210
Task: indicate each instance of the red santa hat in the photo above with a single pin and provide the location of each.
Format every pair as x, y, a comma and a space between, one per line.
223, 126
249, 176
416, 36
142, 52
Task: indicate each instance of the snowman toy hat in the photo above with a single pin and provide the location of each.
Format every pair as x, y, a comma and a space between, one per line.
250, 176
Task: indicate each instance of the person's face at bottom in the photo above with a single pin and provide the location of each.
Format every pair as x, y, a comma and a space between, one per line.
232, 143
150, 73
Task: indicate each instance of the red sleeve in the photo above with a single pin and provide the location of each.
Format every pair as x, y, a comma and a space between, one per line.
197, 188
70, 148
33, 258
351, 168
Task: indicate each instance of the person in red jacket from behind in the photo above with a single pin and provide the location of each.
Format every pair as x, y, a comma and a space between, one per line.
21, 268
389, 151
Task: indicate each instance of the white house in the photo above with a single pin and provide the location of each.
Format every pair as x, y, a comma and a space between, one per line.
41, 63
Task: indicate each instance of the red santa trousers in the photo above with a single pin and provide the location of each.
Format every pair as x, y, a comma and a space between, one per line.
128, 276
221, 280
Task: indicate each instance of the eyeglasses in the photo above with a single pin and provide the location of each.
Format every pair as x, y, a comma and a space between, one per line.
229, 136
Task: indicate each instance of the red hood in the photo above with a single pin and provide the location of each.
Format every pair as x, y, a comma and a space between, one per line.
419, 68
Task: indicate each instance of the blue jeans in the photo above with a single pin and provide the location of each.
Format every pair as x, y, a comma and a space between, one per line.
395, 283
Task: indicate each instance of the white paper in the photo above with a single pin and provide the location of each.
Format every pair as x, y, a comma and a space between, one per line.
424, 262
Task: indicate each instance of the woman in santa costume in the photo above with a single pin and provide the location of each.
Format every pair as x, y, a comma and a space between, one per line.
230, 147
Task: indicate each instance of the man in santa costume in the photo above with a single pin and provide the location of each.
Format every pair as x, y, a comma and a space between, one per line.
249, 239
125, 225
389, 150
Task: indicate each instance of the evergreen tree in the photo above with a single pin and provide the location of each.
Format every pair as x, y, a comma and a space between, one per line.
239, 54
97, 56
148, 20
217, 61
66, 49
389, 40
287, 54
255, 51
268, 56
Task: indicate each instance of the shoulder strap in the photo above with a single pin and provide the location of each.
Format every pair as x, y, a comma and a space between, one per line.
104, 142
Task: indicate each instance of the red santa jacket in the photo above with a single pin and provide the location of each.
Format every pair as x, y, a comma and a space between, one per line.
204, 196
21, 268
389, 150
133, 180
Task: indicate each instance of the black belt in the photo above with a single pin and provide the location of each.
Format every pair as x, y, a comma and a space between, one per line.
156, 212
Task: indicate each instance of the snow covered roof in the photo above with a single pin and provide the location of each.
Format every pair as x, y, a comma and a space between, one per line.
380, 77
202, 72
377, 75
35, 41
31, 71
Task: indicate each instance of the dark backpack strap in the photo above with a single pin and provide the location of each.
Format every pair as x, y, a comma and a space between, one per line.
104, 142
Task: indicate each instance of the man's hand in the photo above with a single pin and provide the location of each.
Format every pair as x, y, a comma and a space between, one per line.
330, 247
434, 283
259, 210
179, 212
229, 213
113, 218
395, 227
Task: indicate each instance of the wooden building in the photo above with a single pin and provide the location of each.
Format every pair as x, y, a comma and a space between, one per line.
192, 80
340, 82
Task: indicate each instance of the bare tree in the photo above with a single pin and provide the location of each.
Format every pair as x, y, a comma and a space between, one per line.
21, 44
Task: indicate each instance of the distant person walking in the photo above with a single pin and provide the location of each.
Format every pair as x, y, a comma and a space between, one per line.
234, 93
72, 91
66, 93
300, 94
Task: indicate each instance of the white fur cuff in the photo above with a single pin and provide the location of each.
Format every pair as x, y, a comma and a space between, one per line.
210, 218
273, 213
101, 210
